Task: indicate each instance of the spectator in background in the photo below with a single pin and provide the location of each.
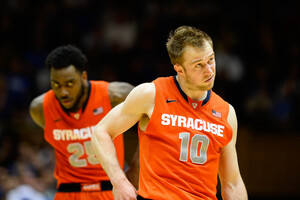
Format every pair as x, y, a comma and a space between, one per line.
29, 186
28, 176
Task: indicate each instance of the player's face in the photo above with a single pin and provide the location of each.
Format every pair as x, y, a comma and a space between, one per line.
67, 84
199, 67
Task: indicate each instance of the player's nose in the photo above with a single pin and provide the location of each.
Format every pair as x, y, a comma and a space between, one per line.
64, 92
208, 69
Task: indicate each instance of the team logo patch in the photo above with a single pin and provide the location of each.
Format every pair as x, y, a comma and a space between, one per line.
90, 187
77, 116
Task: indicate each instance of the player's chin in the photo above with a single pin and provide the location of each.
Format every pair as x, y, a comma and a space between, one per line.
67, 104
209, 86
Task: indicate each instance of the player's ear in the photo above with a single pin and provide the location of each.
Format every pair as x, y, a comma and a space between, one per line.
84, 75
179, 69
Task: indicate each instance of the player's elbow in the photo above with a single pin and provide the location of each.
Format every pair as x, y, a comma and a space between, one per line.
234, 190
100, 134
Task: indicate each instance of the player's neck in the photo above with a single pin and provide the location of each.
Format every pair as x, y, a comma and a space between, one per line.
194, 94
82, 99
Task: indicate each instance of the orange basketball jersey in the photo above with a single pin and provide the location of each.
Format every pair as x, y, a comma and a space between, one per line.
180, 149
70, 136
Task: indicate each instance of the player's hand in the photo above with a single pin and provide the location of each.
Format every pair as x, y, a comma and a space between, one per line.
124, 190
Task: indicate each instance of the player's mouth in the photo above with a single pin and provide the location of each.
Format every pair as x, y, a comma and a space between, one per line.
66, 102
210, 79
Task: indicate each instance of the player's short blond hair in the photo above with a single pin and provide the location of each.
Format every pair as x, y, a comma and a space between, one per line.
185, 36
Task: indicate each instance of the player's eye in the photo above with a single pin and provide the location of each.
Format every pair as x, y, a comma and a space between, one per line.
55, 85
70, 84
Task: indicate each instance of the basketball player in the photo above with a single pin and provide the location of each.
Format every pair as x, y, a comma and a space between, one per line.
187, 133
68, 114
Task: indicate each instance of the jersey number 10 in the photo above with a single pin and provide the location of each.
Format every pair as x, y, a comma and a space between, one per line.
196, 139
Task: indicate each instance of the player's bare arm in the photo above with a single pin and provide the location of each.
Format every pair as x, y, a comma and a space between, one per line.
232, 185
139, 104
36, 111
118, 91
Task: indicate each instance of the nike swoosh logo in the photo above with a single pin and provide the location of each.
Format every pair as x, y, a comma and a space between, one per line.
169, 100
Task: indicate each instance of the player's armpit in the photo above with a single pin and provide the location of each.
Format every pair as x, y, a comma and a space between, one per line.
139, 102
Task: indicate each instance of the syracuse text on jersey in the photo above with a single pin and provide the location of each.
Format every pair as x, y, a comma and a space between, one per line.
73, 134
188, 122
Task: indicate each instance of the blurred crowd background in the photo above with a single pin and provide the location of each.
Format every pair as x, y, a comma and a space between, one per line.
257, 54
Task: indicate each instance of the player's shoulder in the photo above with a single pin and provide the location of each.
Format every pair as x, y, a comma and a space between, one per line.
217, 97
164, 80
142, 94
141, 99
37, 102
227, 108
147, 89
37, 111
98, 84
120, 87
